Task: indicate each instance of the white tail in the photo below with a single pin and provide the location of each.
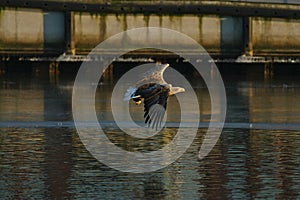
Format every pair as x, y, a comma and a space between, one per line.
129, 94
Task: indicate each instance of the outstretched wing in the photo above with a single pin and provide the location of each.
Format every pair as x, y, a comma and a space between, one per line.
154, 75
155, 103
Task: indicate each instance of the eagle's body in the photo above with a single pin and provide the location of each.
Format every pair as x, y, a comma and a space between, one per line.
154, 91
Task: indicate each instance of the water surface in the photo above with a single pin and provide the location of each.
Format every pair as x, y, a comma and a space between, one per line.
51, 162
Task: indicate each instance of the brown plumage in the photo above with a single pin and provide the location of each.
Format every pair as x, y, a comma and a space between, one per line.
154, 91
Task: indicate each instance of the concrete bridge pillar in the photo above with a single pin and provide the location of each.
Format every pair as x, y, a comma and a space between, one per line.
69, 33
59, 32
247, 36
236, 35
231, 35
54, 31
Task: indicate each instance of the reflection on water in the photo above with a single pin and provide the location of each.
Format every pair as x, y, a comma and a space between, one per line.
40, 163
250, 97
274, 104
53, 163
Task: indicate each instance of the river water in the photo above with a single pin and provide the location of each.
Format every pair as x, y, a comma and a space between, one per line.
43, 157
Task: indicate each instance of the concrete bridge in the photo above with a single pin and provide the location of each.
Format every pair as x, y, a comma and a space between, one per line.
227, 29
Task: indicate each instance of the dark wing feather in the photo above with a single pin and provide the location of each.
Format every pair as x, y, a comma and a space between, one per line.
155, 103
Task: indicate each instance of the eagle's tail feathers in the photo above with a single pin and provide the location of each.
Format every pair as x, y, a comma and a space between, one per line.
129, 94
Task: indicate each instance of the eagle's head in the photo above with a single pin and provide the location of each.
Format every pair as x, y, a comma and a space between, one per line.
175, 90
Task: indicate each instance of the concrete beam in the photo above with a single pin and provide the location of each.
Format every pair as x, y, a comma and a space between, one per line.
167, 7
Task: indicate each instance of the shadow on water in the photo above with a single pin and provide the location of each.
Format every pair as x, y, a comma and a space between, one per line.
45, 162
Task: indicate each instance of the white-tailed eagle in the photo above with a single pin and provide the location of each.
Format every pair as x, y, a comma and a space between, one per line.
154, 91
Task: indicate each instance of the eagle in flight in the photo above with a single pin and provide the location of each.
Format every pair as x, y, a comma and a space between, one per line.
154, 91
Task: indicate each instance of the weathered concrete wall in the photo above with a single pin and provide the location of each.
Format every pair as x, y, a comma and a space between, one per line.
20, 28
277, 35
36, 30
91, 30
